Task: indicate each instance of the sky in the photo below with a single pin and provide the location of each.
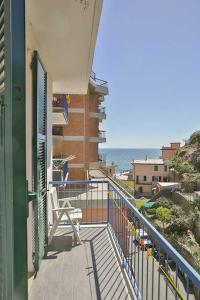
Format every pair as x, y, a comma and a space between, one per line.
149, 52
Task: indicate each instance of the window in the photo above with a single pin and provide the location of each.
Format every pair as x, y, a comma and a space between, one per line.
165, 168
155, 168
141, 178
156, 178
57, 130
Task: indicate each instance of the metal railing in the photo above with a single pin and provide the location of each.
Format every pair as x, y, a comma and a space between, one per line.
155, 269
102, 134
97, 80
102, 109
60, 102
102, 157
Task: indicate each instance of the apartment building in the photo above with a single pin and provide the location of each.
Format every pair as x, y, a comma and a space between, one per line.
79, 138
147, 172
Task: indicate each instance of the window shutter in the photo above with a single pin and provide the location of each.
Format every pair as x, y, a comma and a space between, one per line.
13, 201
39, 158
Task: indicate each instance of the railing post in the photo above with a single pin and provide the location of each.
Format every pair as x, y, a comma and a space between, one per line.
108, 202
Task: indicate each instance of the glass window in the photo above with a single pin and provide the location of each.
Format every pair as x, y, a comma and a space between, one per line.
155, 168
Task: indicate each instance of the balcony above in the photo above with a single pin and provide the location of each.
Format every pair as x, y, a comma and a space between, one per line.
96, 164
100, 86
100, 114
101, 98
60, 110
61, 29
100, 139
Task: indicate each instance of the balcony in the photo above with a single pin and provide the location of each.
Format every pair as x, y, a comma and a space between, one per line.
100, 139
60, 110
142, 182
112, 262
100, 86
100, 114
102, 160
60, 169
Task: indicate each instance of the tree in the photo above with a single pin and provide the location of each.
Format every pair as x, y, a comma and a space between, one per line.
163, 214
189, 183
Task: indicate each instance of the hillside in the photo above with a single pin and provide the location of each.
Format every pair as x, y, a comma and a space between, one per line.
187, 158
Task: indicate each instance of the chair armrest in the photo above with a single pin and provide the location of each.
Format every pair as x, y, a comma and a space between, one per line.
63, 199
64, 209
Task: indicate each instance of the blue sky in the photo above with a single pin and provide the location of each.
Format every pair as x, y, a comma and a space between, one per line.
149, 52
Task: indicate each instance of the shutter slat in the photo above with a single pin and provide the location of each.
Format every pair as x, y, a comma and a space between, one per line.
40, 158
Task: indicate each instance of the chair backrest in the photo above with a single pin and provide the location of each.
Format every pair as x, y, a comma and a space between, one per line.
54, 197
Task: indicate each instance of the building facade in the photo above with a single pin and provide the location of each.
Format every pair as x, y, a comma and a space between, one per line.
148, 172
80, 136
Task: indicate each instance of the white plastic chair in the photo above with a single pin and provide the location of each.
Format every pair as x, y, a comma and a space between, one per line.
64, 214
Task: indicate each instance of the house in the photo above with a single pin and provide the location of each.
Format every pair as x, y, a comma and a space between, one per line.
169, 151
147, 172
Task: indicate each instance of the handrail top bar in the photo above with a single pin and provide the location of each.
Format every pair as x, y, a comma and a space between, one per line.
77, 182
169, 249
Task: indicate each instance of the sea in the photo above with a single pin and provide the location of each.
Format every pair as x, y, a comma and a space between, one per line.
122, 157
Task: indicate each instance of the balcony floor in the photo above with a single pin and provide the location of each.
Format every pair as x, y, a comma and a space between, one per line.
87, 271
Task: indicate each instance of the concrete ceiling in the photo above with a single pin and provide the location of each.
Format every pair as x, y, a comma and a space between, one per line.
66, 33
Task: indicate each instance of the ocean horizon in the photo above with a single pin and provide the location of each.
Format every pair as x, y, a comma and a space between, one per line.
122, 157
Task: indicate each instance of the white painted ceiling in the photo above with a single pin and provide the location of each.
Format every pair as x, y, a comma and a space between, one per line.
66, 34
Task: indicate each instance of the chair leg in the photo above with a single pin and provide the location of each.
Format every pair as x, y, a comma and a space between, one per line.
54, 227
76, 233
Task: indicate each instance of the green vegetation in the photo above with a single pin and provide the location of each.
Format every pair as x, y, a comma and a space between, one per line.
196, 203
189, 183
126, 184
130, 184
179, 225
187, 158
139, 203
163, 214
151, 211
195, 138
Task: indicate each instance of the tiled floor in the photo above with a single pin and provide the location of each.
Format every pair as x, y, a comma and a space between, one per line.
87, 271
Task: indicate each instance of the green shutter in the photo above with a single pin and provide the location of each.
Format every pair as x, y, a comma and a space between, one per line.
13, 205
39, 158
5, 270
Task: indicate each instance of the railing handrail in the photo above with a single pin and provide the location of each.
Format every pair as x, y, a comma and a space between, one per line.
102, 109
169, 249
101, 81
